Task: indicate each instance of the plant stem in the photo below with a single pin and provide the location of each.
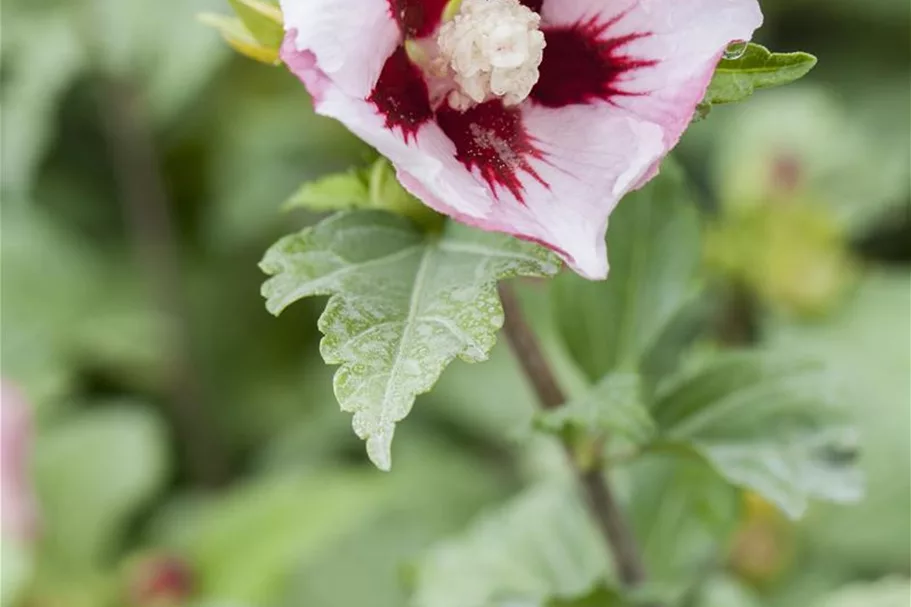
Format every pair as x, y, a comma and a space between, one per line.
146, 205
601, 500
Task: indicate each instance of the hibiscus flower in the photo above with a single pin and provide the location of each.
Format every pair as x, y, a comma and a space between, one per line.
531, 117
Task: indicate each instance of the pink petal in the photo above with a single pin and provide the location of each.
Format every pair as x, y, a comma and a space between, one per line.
351, 39
303, 65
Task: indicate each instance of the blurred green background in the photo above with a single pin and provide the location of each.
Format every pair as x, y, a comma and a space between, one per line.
188, 447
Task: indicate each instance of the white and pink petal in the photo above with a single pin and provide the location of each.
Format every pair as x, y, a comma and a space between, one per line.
651, 58
350, 39
552, 177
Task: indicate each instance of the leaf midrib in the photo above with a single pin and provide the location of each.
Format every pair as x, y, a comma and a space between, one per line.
413, 307
762, 70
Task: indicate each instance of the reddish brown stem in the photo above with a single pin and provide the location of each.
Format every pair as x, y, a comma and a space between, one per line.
602, 503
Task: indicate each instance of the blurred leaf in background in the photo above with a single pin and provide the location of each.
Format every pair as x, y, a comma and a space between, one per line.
539, 547
871, 368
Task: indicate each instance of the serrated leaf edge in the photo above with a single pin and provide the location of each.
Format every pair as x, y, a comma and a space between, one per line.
379, 443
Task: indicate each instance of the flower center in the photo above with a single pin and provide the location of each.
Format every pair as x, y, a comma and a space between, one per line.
491, 49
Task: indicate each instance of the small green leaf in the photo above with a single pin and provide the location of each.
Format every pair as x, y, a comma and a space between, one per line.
387, 193
613, 406
766, 424
375, 187
653, 246
538, 548
337, 192
758, 68
236, 34
262, 19
404, 303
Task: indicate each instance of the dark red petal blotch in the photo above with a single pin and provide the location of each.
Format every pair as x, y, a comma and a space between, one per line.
401, 95
417, 18
491, 139
582, 64
534, 5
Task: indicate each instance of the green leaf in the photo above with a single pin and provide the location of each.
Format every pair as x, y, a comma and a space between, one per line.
43, 57
537, 548
245, 544
375, 187
683, 514
864, 346
262, 19
758, 68
438, 486
765, 423
653, 245
80, 308
92, 474
889, 592
236, 34
725, 590
613, 406
337, 192
404, 303
599, 597
18, 567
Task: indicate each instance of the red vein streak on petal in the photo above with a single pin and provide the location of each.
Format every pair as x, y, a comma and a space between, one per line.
417, 18
491, 139
401, 95
580, 65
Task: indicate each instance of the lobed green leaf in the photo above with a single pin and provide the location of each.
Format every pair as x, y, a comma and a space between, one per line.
766, 424
403, 304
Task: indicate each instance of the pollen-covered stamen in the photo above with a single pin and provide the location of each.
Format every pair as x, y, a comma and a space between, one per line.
492, 48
